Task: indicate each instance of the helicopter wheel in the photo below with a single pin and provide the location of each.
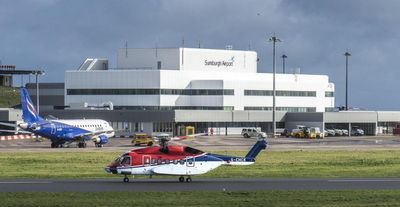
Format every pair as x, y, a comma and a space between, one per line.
188, 179
181, 179
126, 179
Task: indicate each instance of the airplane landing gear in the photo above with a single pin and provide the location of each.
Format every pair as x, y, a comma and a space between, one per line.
81, 145
126, 179
56, 145
99, 145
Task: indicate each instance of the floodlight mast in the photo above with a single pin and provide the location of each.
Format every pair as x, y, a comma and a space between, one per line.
274, 40
283, 63
347, 54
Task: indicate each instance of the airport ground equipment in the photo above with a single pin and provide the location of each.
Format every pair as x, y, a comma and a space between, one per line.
142, 139
252, 132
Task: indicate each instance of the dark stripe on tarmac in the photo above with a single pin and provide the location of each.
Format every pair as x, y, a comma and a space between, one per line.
103, 185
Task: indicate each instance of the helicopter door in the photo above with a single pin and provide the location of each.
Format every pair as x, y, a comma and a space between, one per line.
190, 162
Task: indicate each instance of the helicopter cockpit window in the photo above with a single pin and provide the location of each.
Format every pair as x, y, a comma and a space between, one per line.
126, 161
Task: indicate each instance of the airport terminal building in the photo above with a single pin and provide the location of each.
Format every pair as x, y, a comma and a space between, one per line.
222, 86
167, 90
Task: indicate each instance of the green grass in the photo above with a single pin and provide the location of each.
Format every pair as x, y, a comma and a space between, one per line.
176, 199
290, 164
9, 96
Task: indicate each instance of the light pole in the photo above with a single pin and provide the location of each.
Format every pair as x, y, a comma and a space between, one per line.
347, 54
273, 39
283, 62
37, 73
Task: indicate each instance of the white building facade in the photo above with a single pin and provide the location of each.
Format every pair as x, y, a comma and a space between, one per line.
195, 79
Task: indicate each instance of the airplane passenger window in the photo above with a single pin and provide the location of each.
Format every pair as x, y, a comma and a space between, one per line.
182, 162
167, 161
153, 161
175, 162
159, 161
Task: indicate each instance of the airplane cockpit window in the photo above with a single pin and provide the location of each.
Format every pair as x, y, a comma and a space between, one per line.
193, 151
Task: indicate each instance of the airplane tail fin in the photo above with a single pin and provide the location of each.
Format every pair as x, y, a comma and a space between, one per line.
29, 113
255, 150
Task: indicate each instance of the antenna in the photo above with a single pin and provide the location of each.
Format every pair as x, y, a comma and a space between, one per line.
156, 50
183, 41
126, 49
199, 44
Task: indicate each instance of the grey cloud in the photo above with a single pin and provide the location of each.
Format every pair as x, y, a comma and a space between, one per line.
59, 35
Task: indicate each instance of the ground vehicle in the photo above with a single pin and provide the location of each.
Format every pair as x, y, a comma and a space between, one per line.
330, 132
142, 139
307, 132
315, 132
177, 160
345, 132
357, 132
300, 132
252, 132
338, 132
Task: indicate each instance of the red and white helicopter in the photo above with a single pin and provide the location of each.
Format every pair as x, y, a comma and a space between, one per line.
176, 160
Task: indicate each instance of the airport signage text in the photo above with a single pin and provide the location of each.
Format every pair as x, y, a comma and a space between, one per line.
223, 63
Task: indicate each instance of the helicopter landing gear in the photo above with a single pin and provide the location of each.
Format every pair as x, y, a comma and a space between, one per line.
182, 179
188, 179
126, 179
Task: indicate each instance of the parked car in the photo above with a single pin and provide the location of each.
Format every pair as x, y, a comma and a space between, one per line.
252, 132
338, 132
357, 132
345, 132
330, 132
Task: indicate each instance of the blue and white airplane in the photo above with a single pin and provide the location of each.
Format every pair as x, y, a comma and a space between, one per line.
62, 132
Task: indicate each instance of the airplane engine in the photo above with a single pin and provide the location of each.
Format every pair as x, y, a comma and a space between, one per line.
33, 127
102, 139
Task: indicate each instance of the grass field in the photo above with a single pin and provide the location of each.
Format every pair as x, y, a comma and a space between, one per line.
289, 164
176, 199
9, 97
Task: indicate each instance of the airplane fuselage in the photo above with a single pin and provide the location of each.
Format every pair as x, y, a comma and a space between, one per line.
65, 130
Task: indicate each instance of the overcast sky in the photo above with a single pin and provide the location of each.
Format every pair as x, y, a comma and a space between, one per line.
59, 35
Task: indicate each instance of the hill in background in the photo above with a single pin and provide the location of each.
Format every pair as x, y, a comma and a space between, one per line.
9, 97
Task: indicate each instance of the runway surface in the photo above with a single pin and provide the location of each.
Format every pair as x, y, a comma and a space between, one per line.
172, 184
214, 143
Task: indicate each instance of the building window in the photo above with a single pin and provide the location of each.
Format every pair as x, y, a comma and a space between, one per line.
329, 109
168, 108
288, 109
279, 93
152, 91
159, 65
329, 94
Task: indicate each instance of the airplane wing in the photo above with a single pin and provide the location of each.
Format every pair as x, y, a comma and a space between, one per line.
15, 131
8, 124
91, 133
